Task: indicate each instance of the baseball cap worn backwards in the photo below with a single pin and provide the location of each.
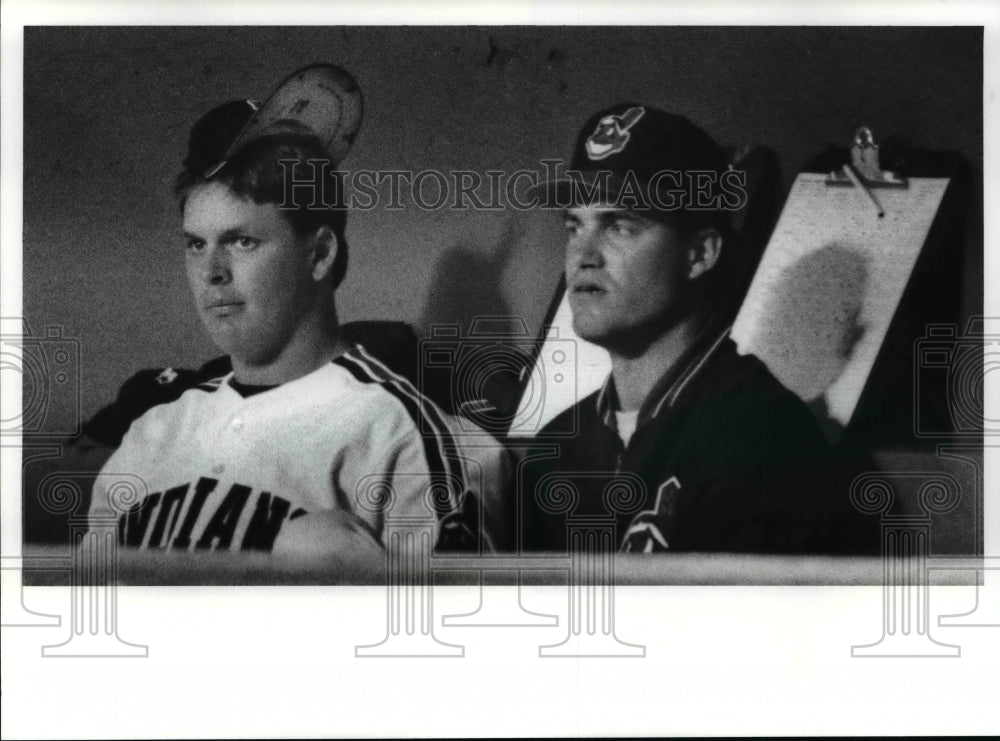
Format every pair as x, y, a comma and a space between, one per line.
321, 100
639, 157
214, 133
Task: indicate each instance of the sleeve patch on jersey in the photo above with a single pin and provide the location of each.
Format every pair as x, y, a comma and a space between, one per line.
167, 376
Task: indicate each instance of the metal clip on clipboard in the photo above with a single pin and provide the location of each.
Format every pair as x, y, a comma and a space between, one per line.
864, 171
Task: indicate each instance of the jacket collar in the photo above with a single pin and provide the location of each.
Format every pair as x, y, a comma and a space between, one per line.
672, 383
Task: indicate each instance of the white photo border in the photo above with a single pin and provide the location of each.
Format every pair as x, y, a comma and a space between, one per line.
279, 661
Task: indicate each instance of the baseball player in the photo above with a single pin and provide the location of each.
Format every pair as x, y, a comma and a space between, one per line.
728, 459
310, 442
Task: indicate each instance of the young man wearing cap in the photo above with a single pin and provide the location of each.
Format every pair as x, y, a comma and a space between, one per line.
719, 456
310, 443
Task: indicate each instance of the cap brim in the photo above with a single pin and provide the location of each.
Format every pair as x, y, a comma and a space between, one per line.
323, 98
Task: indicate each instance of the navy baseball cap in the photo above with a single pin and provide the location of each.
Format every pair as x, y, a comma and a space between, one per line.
321, 100
629, 145
214, 133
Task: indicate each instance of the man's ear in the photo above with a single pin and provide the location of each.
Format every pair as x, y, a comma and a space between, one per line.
324, 252
704, 252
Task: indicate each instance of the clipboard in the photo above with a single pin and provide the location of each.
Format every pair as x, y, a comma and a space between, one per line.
832, 279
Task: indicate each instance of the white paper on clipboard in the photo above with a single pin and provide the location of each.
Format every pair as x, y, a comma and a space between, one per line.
819, 307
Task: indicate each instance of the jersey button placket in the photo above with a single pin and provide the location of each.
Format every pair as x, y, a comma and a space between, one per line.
225, 444
235, 425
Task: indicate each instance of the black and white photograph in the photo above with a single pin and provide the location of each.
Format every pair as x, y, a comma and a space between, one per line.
561, 346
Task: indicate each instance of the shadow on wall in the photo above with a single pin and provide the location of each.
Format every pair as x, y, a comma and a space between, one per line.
481, 376
468, 281
814, 323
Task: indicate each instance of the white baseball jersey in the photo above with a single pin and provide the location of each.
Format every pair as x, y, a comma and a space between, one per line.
352, 441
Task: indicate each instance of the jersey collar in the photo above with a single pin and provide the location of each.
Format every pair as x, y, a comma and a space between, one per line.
671, 384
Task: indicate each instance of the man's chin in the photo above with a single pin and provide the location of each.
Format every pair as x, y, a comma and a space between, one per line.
232, 344
617, 340
593, 332
222, 337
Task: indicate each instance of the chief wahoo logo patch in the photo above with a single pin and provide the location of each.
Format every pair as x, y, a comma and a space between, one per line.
612, 133
645, 533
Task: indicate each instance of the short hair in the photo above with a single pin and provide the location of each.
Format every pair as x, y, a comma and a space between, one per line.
264, 172
725, 284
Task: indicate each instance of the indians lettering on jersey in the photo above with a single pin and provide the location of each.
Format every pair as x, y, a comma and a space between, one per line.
170, 519
644, 534
304, 446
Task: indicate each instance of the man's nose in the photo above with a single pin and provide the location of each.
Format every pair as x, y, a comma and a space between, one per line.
216, 267
584, 249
